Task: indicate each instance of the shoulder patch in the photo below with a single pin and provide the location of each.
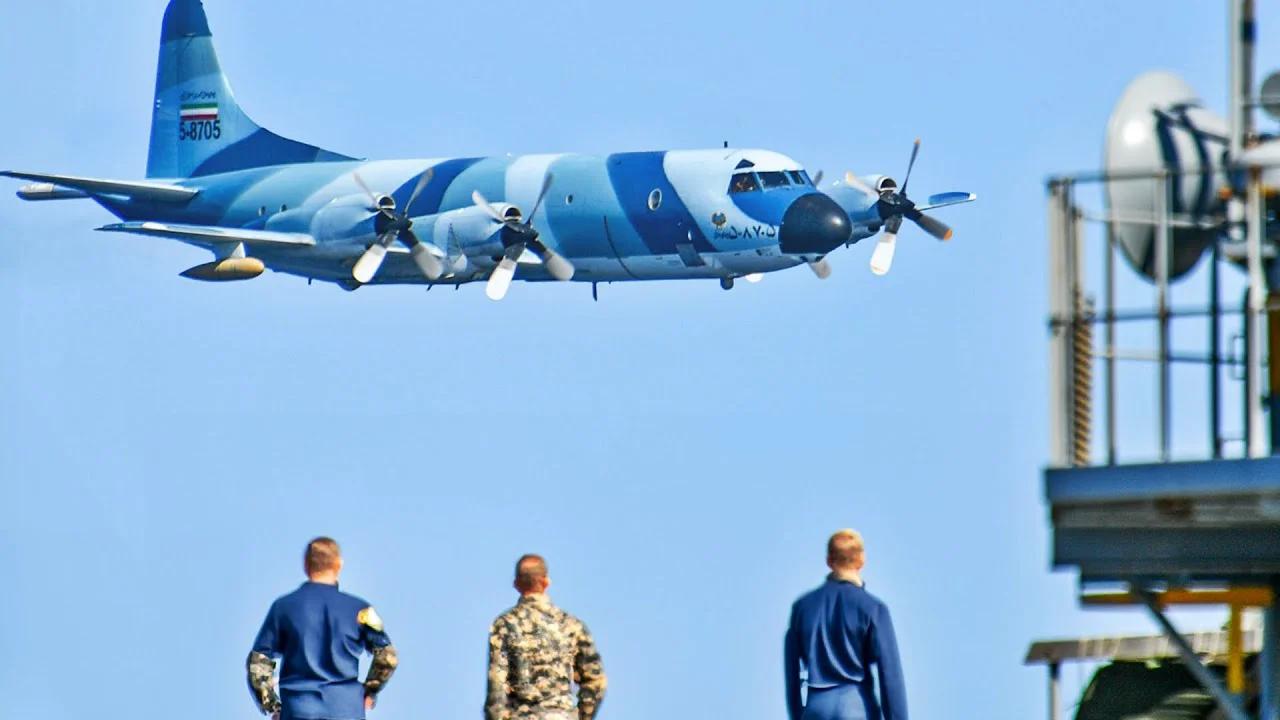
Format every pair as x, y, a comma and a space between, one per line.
369, 618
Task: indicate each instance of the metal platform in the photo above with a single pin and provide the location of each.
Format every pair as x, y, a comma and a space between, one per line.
1181, 523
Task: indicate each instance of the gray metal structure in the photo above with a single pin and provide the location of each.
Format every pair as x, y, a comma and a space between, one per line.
1053, 654
1176, 190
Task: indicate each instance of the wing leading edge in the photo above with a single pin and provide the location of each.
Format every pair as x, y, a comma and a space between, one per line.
209, 234
63, 187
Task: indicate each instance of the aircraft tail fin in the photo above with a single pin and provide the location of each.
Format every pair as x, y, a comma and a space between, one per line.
197, 128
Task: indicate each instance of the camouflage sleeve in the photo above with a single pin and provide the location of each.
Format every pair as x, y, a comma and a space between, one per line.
588, 672
495, 703
262, 670
383, 667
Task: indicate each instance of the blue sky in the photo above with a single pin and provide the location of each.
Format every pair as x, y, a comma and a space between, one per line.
677, 452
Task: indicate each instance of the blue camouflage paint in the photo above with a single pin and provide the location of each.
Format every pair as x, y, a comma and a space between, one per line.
262, 149
580, 226
443, 175
184, 19
634, 176
488, 175
768, 206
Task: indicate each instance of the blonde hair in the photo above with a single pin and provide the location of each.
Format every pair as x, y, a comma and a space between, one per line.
322, 554
844, 549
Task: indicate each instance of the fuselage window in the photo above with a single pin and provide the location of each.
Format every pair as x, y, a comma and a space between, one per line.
655, 199
774, 179
744, 182
568, 199
798, 177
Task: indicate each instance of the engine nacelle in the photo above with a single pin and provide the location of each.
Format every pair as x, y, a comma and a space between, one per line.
880, 183
1159, 123
343, 217
469, 230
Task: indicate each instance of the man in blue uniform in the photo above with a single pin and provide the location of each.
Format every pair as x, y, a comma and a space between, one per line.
319, 633
837, 633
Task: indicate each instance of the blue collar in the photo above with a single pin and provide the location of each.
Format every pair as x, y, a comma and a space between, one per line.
311, 583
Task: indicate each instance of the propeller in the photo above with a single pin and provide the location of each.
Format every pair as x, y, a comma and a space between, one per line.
821, 268
391, 226
892, 206
516, 237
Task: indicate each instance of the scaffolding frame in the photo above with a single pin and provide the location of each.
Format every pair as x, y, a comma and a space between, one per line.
1096, 517
1074, 314
1147, 526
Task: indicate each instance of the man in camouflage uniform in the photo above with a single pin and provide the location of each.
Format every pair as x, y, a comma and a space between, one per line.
537, 652
319, 632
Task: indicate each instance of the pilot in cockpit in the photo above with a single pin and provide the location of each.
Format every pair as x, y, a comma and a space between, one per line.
743, 182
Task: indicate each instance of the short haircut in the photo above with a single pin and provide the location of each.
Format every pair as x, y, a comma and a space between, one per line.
531, 569
322, 554
844, 548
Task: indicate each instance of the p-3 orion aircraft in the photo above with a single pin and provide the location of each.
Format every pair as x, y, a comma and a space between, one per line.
257, 200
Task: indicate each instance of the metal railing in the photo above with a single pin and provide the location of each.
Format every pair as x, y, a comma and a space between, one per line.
1076, 311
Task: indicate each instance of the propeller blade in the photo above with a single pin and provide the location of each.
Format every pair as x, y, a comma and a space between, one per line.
947, 198
501, 277
417, 190
882, 256
817, 179
426, 261
480, 200
936, 228
560, 268
753, 278
857, 184
373, 198
542, 195
915, 150
821, 268
367, 266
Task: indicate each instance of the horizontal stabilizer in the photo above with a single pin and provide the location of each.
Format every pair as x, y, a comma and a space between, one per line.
947, 198
206, 234
153, 191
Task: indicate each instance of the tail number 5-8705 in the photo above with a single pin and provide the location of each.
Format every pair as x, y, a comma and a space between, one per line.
200, 130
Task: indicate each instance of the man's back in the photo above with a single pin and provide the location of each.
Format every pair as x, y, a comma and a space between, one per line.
536, 653
319, 632
838, 631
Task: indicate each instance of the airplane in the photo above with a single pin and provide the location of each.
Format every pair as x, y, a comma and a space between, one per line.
256, 200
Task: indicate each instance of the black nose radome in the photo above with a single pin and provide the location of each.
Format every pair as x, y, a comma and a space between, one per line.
814, 224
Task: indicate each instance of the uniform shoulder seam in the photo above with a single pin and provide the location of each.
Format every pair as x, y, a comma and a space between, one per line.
361, 601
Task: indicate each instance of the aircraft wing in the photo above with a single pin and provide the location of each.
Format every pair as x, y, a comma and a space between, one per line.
48, 188
206, 234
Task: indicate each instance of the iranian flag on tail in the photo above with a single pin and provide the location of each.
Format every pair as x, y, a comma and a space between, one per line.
193, 112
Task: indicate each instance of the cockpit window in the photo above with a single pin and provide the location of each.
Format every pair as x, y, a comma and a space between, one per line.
774, 179
799, 177
743, 182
